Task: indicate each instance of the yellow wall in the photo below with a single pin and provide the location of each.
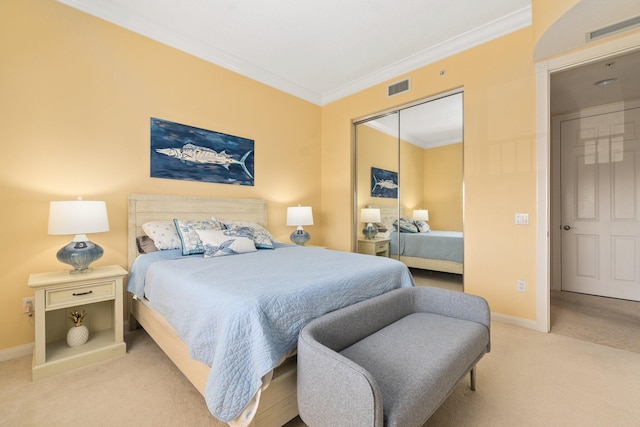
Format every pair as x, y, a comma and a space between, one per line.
443, 187
76, 95
499, 163
411, 177
378, 149
375, 149
546, 12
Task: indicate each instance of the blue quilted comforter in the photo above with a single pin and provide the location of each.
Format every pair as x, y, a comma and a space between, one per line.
239, 314
446, 245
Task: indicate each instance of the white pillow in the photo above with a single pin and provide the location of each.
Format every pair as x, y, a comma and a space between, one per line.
224, 242
422, 226
163, 234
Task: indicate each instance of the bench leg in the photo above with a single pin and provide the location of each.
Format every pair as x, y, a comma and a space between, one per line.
473, 379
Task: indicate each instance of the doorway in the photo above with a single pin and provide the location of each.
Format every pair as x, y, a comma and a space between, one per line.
552, 74
596, 153
547, 225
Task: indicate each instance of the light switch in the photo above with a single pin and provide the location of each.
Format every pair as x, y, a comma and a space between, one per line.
522, 219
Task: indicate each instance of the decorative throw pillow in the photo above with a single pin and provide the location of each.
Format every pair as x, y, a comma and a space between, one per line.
422, 226
261, 236
145, 245
191, 243
163, 234
225, 242
406, 225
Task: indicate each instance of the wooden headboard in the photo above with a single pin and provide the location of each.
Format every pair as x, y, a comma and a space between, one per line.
393, 211
157, 207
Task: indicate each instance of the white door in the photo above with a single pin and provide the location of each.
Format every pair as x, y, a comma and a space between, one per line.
600, 181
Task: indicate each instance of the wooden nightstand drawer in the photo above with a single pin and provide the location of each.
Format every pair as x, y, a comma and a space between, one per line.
382, 246
378, 247
66, 297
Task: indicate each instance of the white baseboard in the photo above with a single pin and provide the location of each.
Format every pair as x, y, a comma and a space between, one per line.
27, 349
15, 352
516, 321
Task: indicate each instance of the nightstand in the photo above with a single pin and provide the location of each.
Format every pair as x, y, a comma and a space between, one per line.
57, 294
379, 247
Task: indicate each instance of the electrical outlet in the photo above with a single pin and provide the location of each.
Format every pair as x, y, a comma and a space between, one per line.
28, 305
522, 286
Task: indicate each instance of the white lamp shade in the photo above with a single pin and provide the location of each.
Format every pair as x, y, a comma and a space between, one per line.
299, 215
370, 215
78, 217
421, 215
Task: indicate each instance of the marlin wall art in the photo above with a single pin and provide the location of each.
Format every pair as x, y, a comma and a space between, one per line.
186, 152
384, 183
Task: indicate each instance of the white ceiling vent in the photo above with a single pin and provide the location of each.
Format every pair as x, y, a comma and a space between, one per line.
399, 87
614, 28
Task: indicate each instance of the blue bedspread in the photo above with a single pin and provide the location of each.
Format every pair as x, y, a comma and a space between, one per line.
445, 245
239, 314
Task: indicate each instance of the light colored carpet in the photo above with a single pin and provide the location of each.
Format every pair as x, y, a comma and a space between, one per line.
606, 321
437, 279
528, 379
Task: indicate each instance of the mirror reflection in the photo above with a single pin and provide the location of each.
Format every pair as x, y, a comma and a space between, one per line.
408, 201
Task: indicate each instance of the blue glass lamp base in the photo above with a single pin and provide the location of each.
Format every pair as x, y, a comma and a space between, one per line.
79, 255
370, 231
300, 237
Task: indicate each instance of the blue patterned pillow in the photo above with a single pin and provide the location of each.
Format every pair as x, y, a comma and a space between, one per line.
191, 243
406, 225
261, 236
225, 242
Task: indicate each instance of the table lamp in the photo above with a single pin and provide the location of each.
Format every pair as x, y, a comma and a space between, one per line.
298, 216
421, 215
78, 217
370, 215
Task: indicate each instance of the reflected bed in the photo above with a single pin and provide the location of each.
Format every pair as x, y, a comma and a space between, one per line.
433, 250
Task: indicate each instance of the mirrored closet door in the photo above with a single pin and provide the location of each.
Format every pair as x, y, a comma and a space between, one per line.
408, 184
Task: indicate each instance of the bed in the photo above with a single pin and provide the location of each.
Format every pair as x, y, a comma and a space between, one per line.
216, 371
434, 250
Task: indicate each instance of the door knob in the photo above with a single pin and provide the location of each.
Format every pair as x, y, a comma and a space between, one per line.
568, 227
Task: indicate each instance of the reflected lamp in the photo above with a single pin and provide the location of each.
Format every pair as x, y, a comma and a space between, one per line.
298, 216
79, 217
421, 215
370, 215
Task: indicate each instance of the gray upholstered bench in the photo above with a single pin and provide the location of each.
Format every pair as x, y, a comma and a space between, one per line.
390, 360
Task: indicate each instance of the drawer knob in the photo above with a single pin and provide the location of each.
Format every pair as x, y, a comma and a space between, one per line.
77, 294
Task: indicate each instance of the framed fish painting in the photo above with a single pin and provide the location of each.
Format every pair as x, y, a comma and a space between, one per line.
384, 183
189, 153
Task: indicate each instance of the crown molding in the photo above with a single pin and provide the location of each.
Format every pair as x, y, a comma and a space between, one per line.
117, 14
120, 16
490, 31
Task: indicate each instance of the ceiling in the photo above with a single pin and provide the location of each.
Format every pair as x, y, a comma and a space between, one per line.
319, 51
428, 125
574, 89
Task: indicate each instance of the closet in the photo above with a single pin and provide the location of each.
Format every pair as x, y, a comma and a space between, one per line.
408, 167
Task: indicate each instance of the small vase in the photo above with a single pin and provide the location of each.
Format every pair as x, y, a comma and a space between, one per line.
77, 335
